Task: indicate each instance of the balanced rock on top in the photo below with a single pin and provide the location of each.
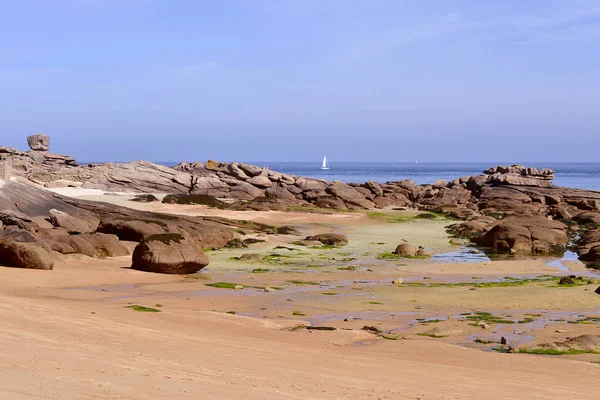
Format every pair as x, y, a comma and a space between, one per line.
39, 142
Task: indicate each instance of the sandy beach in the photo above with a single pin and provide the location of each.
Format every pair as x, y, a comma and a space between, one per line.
79, 332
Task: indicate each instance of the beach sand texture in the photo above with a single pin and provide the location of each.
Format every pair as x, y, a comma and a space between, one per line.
69, 333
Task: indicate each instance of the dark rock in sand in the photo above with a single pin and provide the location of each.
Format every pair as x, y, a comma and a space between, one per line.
330, 239
286, 230
406, 249
565, 280
252, 257
169, 253
22, 249
371, 329
236, 243
144, 198
194, 199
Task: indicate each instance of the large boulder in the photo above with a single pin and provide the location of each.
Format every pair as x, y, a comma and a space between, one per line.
39, 142
169, 253
406, 250
22, 249
533, 234
72, 224
330, 239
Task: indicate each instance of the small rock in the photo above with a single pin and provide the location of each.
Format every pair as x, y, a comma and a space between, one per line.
269, 289
485, 326
371, 329
566, 281
330, 239
475, 251
398, 281
237, 287
503, 340
320, 328
597, 290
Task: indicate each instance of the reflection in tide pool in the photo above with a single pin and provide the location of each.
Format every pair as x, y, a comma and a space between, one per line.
465, 256
558, 263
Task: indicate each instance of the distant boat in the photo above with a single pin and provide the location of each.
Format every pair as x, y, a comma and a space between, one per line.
324, 165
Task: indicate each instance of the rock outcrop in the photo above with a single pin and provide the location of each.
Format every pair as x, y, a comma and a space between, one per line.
498, 207
36, 224
526, 235
169, 253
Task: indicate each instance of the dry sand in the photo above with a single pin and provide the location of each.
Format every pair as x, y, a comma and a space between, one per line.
56, 347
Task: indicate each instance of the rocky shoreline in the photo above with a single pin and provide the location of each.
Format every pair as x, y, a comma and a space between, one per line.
513, 209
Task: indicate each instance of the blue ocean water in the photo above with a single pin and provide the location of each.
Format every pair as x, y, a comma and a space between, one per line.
582, 176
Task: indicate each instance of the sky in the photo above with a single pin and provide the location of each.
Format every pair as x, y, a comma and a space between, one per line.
293, 80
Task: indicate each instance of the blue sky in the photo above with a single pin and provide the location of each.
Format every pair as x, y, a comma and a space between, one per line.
276, 80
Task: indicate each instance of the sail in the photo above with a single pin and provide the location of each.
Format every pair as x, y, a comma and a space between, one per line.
324, 165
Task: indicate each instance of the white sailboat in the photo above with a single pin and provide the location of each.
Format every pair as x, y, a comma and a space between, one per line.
324, 165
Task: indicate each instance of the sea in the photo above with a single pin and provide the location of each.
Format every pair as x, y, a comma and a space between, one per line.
573, 175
